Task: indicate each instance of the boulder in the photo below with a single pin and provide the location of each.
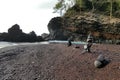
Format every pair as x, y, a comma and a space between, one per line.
101, 61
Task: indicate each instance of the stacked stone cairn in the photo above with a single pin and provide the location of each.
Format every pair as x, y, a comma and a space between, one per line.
89, 43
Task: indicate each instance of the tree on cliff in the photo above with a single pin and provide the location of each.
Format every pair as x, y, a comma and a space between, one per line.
106, 7
63, 5
112, 4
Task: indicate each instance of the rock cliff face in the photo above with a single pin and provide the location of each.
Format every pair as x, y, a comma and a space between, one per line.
15, 34
58, 31
55, 27
79, 26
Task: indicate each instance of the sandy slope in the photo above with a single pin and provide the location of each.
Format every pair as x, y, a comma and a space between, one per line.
58, 62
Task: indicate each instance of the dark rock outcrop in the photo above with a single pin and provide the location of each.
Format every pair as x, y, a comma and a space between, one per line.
15, 30
3, 36
55, 27
58, 31
45, 36
15, 34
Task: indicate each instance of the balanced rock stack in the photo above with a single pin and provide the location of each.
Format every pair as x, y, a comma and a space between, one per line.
100, 61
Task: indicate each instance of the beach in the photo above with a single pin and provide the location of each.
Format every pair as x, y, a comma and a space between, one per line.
58, 62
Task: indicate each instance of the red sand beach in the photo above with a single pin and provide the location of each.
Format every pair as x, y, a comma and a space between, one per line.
58, 62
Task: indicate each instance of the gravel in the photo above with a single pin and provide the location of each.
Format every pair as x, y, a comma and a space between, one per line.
58, 62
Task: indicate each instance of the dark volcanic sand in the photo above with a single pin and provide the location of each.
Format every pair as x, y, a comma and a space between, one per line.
58, 62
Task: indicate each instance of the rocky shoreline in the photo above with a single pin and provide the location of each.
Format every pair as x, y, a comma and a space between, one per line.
58, 62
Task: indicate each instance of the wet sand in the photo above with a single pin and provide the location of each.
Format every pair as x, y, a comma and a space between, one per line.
58, 62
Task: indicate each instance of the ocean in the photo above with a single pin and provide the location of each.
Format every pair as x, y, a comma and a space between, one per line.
9, 44
6, 44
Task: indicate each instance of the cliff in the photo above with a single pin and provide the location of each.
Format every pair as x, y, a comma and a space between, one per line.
80, 25
81, 17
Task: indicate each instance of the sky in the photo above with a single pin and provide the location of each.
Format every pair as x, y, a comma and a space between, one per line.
31, 15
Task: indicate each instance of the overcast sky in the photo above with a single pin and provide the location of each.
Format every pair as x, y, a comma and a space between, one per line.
29, 14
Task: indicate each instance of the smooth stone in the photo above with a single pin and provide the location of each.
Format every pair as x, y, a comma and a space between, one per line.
97, 64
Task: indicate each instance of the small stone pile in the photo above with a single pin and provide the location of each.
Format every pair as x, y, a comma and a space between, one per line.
89, 43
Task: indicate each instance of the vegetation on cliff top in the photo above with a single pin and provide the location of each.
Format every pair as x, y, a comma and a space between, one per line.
105, 7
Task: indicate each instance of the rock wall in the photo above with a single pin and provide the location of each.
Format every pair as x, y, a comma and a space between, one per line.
79, 26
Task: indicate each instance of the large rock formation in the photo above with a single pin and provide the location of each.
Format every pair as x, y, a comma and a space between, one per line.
15, 30
58, 31
15, 34
55, 27
79, 26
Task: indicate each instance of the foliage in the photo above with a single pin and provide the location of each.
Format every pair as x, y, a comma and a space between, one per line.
63, 5
107, 7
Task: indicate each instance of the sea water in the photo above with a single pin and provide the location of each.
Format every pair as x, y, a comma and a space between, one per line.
62, 41
6, 44
9, 44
